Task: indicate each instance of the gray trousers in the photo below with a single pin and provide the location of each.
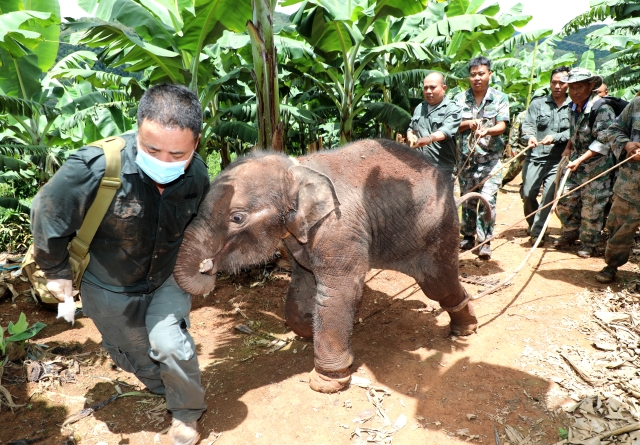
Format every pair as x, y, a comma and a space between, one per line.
534, 175
146, 334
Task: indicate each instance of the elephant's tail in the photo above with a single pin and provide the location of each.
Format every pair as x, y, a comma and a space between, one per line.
475, 195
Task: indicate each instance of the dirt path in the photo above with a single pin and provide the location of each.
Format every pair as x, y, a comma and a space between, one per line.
450, 390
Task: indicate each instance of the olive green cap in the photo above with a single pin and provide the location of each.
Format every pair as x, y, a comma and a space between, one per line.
581, 75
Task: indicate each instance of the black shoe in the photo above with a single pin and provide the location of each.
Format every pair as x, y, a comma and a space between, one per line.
567, 239
606, 275
485, 252
467, 243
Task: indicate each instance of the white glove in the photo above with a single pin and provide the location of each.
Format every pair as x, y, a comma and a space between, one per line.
60, 288
63, 290
67, 310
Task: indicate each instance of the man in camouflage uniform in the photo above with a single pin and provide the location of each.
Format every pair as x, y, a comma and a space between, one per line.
514, 146
546, 131
485, 113
624, 217
434, 125
582, 213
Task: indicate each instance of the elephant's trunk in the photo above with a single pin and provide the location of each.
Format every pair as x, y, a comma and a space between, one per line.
195, 270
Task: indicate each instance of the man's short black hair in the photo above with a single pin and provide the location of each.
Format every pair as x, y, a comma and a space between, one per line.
560, 69
481, 60
172, 106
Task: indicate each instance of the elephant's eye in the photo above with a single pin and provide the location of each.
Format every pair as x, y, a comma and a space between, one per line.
237, 218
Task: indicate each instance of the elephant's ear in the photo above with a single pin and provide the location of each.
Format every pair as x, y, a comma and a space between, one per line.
314, 198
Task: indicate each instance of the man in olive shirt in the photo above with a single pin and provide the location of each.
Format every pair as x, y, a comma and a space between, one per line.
128, 289
435, 124
546, 129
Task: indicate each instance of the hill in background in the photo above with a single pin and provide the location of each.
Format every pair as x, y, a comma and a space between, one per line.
575, 43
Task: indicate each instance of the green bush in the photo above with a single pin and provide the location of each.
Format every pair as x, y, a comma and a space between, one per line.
15, 231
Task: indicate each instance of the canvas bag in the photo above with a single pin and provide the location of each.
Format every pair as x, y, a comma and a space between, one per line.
79, 246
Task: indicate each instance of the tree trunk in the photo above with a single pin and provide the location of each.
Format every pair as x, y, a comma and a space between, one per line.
265, 75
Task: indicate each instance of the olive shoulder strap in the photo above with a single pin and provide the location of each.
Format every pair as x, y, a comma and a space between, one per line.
79, 246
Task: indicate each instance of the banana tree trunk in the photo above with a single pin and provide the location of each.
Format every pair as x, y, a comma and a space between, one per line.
346, 129
225, 156
265, 75
346, 118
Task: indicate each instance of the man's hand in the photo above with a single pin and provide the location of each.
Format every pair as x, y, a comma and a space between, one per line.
60, 288
412, 138
573, 165
548, 140
533, 142
481, 132
427, 140
474, 124
633, 149
566, 153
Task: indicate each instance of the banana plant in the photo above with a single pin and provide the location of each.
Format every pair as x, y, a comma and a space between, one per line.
621, 69
524, 74
164, 38
28, 46
265, 74
341, 53
29, 33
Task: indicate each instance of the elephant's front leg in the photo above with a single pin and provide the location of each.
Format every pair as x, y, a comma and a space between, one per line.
336, 304
300, 306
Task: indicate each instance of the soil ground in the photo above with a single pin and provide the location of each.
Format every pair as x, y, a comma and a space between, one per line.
451, 390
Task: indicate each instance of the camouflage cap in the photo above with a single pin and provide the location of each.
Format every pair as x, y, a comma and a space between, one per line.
581, 75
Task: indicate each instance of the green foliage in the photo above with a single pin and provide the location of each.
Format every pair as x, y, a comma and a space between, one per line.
620, 38
214, 163
19, 332
562, 433
345, 70
15, 231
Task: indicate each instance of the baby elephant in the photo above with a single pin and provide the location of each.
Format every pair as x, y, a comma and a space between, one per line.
370, 204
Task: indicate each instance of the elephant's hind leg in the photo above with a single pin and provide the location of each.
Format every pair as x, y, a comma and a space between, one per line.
299, 308
441, 284
463, 317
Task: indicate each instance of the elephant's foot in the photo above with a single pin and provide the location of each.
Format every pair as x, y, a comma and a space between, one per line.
329, 382
463, 319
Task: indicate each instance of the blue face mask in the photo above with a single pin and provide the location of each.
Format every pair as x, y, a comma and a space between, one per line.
160, 171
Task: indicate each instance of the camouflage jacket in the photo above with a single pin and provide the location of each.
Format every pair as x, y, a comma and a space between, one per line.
626, 128
493, 109
585, 138
515, 133
444, 117
136, 245
545, 118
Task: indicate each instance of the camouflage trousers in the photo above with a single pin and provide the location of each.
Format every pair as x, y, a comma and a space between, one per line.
583, 211
514, 168
473, 224
622, 223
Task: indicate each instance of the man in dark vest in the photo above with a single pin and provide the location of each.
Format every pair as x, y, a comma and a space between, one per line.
128, 289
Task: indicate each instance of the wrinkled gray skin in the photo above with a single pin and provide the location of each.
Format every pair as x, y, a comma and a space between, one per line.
371, 204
